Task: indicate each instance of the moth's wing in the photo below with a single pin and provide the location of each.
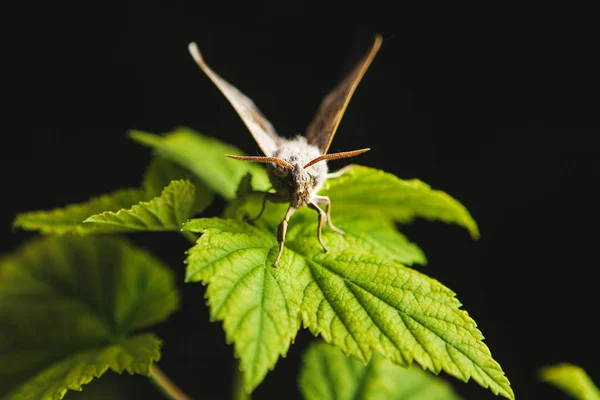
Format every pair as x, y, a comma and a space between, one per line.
259, 126
323, 126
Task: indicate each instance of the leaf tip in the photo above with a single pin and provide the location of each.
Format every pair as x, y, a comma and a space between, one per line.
16, 223
133, 133
474, 231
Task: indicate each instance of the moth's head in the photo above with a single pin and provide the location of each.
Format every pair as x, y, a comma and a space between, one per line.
292, 171
304, 179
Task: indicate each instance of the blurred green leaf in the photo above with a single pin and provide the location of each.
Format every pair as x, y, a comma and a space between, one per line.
163, 213
159, 174
372, 193
572, 379
68, 307
69, 219
161, 204
204, 156
327, 374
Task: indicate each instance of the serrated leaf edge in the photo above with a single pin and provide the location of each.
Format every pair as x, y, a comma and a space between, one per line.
146, 206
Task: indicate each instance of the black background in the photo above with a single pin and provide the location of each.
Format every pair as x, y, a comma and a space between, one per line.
499, 108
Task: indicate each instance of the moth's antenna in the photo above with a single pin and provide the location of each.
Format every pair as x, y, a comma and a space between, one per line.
262, 159
335, 156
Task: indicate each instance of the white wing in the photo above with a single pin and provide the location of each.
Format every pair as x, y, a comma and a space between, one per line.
260, 128
324, 125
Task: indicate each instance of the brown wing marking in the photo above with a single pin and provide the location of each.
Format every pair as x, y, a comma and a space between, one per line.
325, 123
261, 129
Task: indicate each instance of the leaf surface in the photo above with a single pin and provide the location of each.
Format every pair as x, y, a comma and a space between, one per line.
163, 213
327, 374
205, 157
68, 310
572, 379
69, 219
372, 193
161, 172
379, 235
356, 297
360, 296
258, 304
162, 203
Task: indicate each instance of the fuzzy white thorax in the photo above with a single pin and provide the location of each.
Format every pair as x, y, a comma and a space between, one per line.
301, 184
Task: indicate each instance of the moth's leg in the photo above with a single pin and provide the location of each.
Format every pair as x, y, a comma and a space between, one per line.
322, 217
268, 196
340, 172
325, 200
281, 230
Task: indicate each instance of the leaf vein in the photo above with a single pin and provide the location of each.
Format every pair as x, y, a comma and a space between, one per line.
234, 287
476, 364
242, 318
142, 223
152, 212
336, 309
194, 271
380, 328
285, 302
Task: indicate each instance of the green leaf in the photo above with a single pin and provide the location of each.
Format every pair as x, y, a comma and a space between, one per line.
327, 374
164, 213
356, 297
384, 239
204, 156
571, 379
258, 304
379, 235
68, 307
154, 207
159, 174
133, 355
371, 193
70, 219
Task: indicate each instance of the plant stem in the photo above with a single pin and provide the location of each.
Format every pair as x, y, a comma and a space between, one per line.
238, 392
166, 385
162, 382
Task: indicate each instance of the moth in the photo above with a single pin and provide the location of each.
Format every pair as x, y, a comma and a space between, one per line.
296, 167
